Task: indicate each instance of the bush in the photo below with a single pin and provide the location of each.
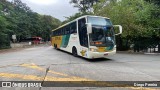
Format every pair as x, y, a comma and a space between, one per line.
4, 41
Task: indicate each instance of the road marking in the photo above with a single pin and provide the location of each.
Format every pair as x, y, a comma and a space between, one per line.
50, 78
38, 78
72, 78
20, 76
34, 66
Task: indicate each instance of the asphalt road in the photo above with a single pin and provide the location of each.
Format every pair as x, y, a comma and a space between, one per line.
44, 63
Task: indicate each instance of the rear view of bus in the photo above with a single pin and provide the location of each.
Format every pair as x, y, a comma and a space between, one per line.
87, 36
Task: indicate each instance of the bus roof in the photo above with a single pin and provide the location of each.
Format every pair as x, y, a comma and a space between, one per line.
78, 19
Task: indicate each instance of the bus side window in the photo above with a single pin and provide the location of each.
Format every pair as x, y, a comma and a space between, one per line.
68, 29
52, 33
82, 29
65, 31
60, 31
55, 33
73, 27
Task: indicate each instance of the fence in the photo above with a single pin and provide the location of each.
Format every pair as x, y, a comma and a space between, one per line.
147, 44
139, 44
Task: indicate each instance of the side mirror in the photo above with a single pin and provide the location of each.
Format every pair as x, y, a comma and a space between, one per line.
89, 28
120, 29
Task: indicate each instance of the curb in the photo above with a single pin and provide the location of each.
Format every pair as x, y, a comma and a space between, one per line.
152, 53
144, 53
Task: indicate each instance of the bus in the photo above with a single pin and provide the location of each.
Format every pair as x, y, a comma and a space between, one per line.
87, 36
33, 40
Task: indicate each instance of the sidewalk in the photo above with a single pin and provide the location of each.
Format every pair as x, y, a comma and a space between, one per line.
27, 44
21, 46
132, 52
10, 50
152, 53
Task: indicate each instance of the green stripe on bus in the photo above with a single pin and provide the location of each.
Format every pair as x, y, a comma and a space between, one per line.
65, 40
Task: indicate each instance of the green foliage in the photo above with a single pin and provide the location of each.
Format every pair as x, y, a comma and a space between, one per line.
3, 24
17, 18
84, 5
154, 1
133, 15
70, 18
4, 41
47, 24
138, 17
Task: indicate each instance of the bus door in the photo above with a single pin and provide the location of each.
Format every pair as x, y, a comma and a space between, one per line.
83, 37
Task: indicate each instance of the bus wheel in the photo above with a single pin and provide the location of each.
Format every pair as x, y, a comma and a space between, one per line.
74, 51
55, 46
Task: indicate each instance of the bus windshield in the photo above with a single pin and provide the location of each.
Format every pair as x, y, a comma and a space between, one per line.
102, 36
99, 21
102, 32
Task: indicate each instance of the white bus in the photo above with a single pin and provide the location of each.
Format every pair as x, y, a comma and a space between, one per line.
87, 36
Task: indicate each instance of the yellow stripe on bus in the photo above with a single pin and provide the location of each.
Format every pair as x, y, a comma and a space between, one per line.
57, 40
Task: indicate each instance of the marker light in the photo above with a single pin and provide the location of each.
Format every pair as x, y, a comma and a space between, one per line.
93, 50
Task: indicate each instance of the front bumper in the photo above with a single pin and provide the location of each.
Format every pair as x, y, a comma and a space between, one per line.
93, 55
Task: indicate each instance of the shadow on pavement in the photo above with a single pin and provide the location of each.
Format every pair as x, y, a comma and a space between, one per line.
98, 59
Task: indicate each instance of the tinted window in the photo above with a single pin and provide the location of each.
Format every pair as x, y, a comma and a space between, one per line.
99, 21
82, 29
73, 27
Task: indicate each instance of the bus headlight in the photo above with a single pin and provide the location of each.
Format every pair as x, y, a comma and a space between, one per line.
93, 50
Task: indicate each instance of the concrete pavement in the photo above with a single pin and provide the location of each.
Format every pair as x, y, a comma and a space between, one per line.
31, 64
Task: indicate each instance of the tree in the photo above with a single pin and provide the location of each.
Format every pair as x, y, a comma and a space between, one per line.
19, 5
76, 15
17, 18
154, 1
3, 24
84, 5
136, 16
48, 23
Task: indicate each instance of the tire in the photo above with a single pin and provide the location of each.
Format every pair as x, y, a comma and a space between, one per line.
55, 46
74, 52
